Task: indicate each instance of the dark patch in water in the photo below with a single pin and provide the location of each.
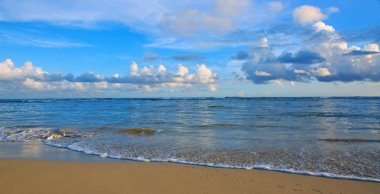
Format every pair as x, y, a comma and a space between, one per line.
218, 106
102, 128
137, 131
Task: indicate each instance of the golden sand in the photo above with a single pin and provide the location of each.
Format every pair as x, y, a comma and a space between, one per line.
36, 176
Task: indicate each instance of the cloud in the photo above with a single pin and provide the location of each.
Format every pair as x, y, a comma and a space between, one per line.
275, 6
231, 7
83, 12
181, 24
9, 72
321, 72
320, 26
193, 22
241, 55
216, 18
323, 57
301, 57
29, 38
331, 10
188, 57
150, 56
145, 79
362, 52
307, 14
369, 49
87, 77
368, 34
262, 73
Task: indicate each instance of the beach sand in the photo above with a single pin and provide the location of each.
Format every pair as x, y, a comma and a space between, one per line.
39, 176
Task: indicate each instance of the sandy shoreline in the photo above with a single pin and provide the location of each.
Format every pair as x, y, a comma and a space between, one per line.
39, 176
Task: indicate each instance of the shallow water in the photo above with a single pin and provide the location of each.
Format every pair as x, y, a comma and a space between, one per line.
337, 137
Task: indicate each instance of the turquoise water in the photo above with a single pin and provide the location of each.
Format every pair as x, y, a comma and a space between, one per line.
335, 137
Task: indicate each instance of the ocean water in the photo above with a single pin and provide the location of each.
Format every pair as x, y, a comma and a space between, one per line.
334, 137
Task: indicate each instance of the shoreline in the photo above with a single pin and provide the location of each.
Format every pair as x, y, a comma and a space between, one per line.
257, 167
47, 176
47, 152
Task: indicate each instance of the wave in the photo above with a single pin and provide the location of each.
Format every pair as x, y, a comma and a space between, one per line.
80, 142
23, 134
78, 148
31, 133
351, 140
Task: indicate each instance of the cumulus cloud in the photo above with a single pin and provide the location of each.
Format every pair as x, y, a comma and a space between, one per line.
307, 14
145, 79
325, 57
362, 52
371, 48
320, 26
9, 72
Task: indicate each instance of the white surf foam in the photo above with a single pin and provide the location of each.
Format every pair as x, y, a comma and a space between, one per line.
78, 147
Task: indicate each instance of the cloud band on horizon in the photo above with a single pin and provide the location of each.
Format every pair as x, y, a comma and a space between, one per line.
146, 79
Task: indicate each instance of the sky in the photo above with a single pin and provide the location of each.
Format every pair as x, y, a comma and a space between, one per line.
211, 48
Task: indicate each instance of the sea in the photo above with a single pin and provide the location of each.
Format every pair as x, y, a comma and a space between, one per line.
336, 137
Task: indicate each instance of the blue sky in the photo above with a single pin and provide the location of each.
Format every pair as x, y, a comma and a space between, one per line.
125, 48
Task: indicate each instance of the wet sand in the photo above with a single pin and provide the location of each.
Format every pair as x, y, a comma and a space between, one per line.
40, 176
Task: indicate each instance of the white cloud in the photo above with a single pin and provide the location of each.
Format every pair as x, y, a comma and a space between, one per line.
277, 82
299, 71
321, 72
134, 69
262, 73
182, 70
371, 47
8, 71
320, 26
204, 75
35, 85
145, 79
307, 14
325, 57
293, 83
